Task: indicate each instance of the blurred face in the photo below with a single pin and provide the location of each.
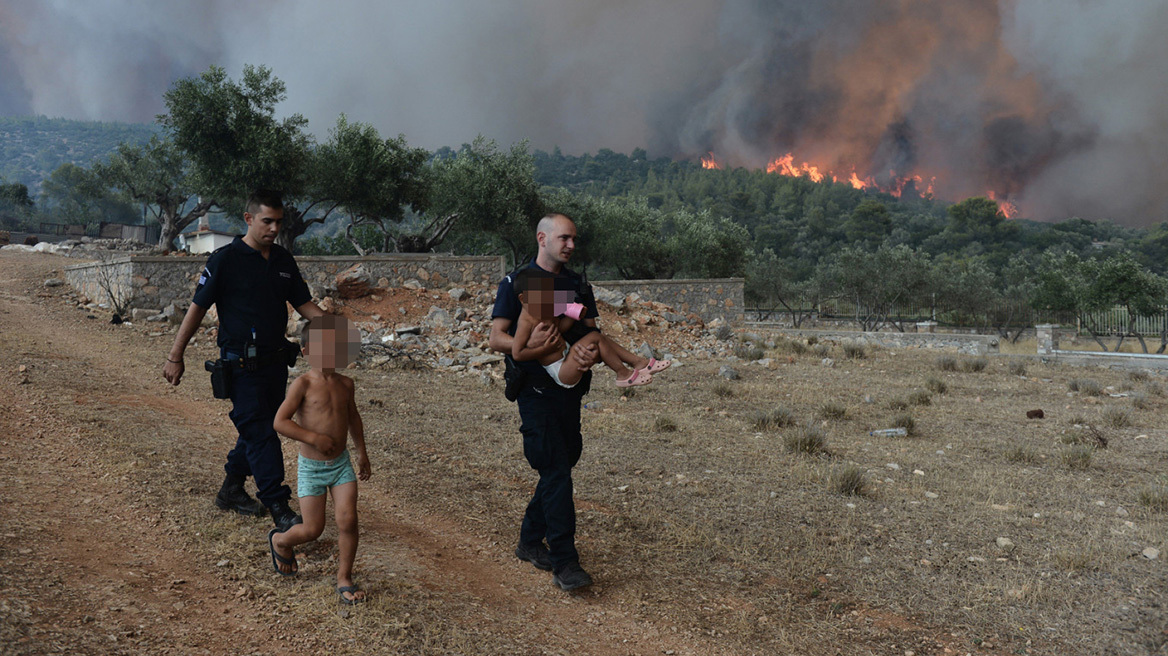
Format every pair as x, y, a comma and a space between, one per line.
334, 346
264, 225
540, 300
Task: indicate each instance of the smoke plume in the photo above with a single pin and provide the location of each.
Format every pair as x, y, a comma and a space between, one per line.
1052, 104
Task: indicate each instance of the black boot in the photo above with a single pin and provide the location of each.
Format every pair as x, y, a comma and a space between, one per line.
283, 516
233, 497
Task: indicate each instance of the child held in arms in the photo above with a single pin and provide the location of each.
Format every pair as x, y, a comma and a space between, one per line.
537, 294
322, 401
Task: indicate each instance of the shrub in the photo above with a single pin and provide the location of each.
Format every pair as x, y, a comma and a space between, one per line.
854, 350
1073, 559
905, 420
1018, 368
974, 365
808, 439
831, 411
1116, 417
812, 340
749, 352
786, 345
936, 385
1137, 376
847, 480
947, 363
723, 390
1088, 386
1078, 420
1077, 456
898, 404
1085, 435
724, 333
665, 425
1140, 401
1155, 497
1021, 454
763, 420
1154, 389
920, 397
822, 350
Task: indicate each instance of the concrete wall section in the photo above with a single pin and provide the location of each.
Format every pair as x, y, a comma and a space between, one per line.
430, 270
968, 344
714, 298
154, 281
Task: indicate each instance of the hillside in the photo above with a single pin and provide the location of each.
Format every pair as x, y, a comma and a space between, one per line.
31, 147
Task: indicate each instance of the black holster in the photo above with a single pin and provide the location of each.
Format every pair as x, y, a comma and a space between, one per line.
514, 379
220, 377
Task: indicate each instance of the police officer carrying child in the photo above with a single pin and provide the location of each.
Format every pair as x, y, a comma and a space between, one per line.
550, 413
249, 281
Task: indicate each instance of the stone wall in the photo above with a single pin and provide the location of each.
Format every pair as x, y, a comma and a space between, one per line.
154, 281
101, 280
968, 344
713, 298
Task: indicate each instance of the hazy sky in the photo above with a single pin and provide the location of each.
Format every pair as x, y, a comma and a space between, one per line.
1056, 104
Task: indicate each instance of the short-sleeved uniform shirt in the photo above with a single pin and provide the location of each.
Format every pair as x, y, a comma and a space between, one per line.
507, 305
250, 293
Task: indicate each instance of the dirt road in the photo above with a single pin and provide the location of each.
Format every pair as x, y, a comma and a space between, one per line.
110, 543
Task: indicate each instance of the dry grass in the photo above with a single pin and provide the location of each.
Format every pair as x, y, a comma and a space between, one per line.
1116, 417
765, 420
854, 350
807, 439
757, 523
936, 385
906, 421
1088, 386
947, 363
832, 411
1017, 368
1077, 456
920, 397
665, 425
974, 365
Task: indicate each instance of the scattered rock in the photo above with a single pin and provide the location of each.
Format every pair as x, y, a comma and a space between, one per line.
54, 282
893, 466
932, 495
1151, 553
408, 330
354, 282
485, 359
439, 317
458, 293
1005, 544
727, 372
1035, 414
412, 284
827, 362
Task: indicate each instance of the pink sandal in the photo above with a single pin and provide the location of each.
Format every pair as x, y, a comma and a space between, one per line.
638, 377
656, 365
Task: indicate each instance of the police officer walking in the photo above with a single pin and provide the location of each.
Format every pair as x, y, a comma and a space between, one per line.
550, 413
249, 281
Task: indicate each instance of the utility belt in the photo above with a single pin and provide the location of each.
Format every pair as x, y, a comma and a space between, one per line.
516, 379
251, 359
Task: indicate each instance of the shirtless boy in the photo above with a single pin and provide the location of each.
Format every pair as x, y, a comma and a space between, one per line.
537, 293
326, 414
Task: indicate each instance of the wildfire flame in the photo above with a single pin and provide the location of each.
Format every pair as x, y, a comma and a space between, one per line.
1008, 209
786, 165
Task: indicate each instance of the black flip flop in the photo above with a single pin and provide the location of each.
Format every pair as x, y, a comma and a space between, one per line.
351, 589
277, 559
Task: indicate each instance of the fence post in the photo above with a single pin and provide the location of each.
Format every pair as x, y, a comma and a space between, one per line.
1047, 338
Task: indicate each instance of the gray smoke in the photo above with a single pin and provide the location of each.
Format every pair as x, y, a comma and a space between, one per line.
1055, 104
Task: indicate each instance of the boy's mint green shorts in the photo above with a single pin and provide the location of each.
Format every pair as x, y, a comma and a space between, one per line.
315, 477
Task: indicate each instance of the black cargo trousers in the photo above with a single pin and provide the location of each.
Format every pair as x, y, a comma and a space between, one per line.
552, 444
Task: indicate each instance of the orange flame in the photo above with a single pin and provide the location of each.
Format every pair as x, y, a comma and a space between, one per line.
1005, 207
786, 165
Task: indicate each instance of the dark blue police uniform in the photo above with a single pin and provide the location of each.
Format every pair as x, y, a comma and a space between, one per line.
552, 443
250, 293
